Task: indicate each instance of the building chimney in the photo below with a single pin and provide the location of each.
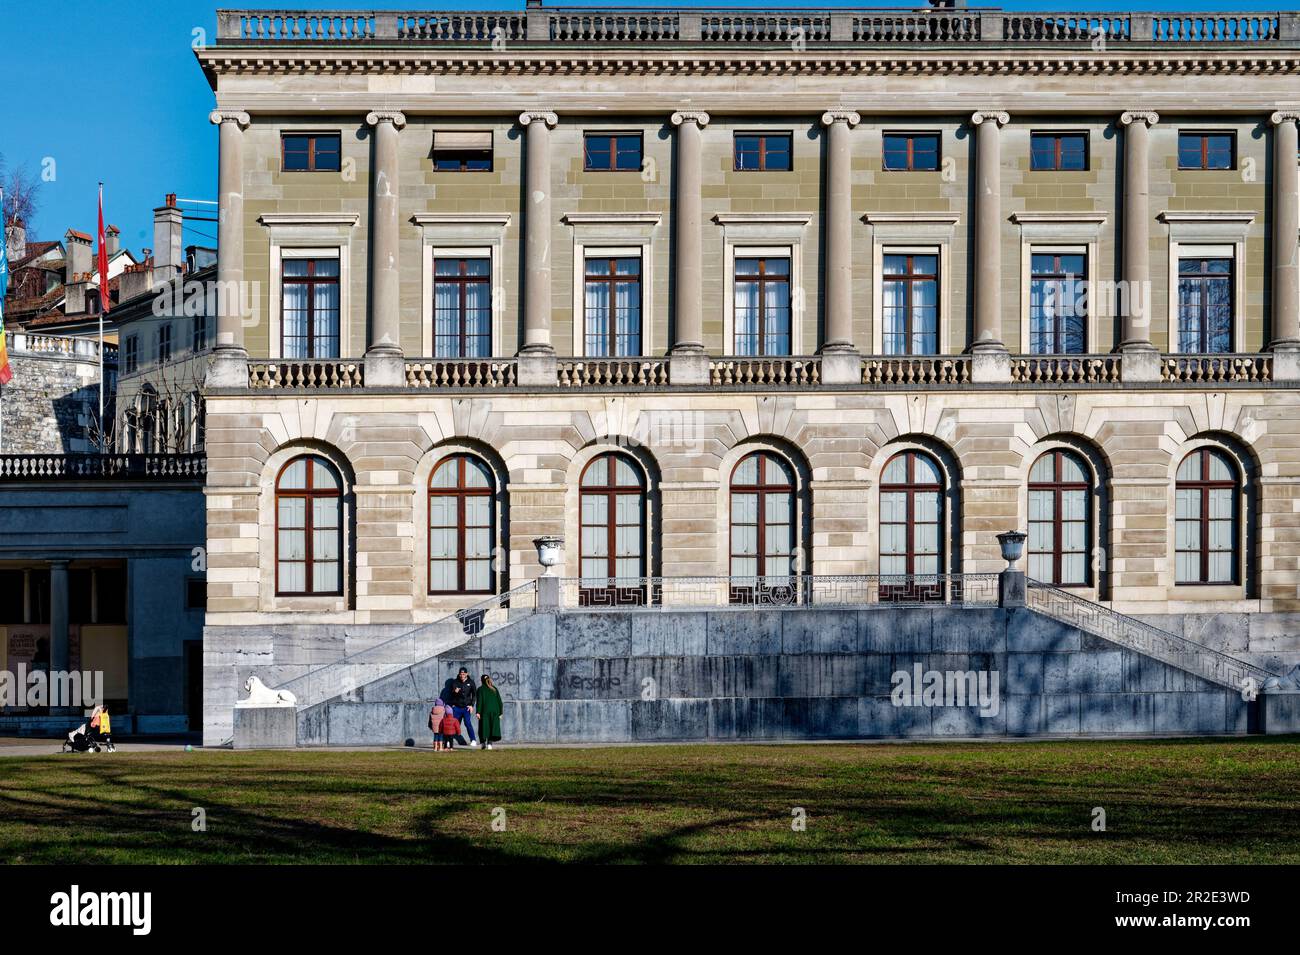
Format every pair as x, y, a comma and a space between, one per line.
77, 255
112, 240
168, 258
16, 240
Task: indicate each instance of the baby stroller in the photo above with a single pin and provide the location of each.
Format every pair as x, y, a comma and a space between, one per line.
79, 741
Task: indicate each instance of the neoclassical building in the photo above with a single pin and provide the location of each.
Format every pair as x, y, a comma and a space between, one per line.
752, 295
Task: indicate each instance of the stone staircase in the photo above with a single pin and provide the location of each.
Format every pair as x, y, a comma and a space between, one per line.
343, 678
1187, 655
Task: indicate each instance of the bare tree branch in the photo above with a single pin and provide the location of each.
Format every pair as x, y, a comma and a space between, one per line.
20, 187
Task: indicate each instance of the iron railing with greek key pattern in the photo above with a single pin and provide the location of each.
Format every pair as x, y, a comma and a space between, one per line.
338, 679
797, 590
1133, 634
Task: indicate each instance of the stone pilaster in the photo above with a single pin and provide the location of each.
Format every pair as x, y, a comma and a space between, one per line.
988, 231
384, 362
59, 653
1135, 297
689, 363
228, 367
840, 362
537, 357
1286, 248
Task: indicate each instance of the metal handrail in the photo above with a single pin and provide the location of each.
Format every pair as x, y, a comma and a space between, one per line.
1133, 634
341, 677
778, 590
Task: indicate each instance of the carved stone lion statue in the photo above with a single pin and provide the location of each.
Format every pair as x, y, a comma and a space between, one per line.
259, 694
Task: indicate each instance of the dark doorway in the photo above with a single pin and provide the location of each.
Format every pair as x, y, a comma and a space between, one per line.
194, 684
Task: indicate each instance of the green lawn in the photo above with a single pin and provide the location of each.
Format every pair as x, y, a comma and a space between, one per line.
1166, 801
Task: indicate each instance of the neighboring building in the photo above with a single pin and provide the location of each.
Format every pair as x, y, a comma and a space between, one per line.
167, 327
101, 568
161, 314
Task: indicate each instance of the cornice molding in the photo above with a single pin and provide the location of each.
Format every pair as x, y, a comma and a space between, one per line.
330, 62
612, 218
274, 219
1042, 218
911, 218
1238, 218
763, 218
498, 219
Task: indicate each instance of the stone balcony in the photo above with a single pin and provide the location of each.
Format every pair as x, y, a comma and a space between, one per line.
721, 27
797, 372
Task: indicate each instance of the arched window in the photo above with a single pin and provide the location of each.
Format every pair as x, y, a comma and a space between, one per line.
1060, 504
308, 528
460, 526
1207, 488
911, 522
612, 531
762, 525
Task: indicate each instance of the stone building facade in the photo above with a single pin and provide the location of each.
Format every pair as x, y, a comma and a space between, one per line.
877, 169
52, 403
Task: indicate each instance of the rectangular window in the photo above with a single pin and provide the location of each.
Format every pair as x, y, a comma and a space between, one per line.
1207, 150
130, 355
310, 152
462, 308
910, 304
1205, 304
611, 152
1057, 318
309, 313
200, 339
762, 306
911, 152
164, 349
457, 151
1061, 152
769, 152
612, 306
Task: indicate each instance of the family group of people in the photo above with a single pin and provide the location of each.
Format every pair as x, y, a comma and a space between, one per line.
459, 703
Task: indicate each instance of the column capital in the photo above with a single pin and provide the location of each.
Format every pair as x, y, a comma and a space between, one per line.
1284, 116
998, 117
219, 116
841, 116
386, 116
1129, 117
539, 116
696, 116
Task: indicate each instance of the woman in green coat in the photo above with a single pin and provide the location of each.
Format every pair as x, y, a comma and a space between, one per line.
488, 704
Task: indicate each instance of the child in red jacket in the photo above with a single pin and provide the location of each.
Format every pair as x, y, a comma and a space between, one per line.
450, 727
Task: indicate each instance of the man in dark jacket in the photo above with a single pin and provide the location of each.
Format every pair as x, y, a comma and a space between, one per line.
459, 694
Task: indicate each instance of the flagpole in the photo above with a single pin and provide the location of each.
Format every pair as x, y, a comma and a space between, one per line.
103, 285
4, 239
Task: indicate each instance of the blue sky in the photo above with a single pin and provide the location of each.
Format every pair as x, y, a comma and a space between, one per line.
114, 93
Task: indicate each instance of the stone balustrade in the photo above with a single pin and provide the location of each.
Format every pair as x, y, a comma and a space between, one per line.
1066, 369
716, 27
327, 374
612, 372
107, 467
800, 371
26, 343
